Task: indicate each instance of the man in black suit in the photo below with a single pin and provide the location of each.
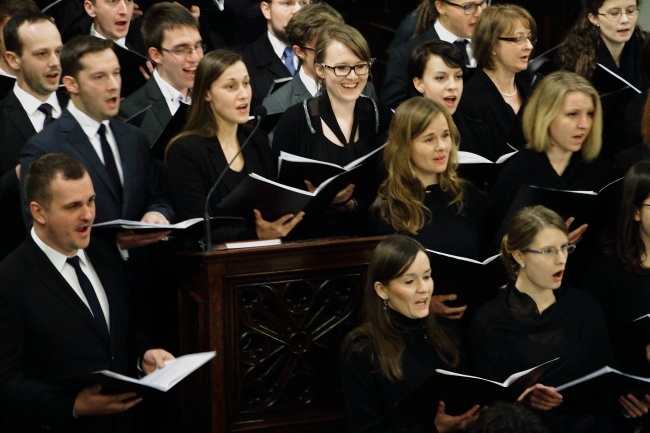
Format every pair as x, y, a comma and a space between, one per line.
63, 313
33, 46
232, 24
115, 154
455, 21
174, 43
271, 56
112, 20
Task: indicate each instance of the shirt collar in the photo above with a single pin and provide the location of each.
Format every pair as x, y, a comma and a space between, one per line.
88, 124
30, 103
311, 84
446, 35
57, 259
121, 41
168, 91
277, 44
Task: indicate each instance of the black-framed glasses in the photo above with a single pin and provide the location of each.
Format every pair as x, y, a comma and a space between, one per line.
291, 3
305, 47
470, 8
552, 251
344, 70
616, 14
520, 40
185, 52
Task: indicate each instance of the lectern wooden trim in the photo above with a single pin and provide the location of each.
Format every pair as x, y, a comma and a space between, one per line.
276, 317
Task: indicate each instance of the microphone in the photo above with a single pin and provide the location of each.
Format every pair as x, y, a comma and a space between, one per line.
260, 113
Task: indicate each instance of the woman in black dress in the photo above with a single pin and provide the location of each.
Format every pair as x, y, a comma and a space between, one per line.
422, 195
535, 320
211, 142
398, 347
562, 125
620, 279
502, 42
607, 37
338, 126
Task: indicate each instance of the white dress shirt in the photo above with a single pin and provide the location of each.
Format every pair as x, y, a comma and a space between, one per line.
447, 36
121, 41
173, 97
278, 49
30, 104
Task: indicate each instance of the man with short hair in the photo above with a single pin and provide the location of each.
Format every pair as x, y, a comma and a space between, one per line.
455, 21
174, 43
116, 154
63, 312
33, 46
271, 57
112, 20
302, 33
9, 8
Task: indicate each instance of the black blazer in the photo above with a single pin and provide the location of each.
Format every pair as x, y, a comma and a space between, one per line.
157, 116
15, 130
398, 86
263, 67
48, 333
144, 190
193, 165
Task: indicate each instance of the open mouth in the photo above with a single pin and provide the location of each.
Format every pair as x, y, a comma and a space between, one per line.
53, 77
190, 71
349, 85
121, 24
112, 102
84, 230
243, 108
422, 302
450, 101
440, 159
558, 275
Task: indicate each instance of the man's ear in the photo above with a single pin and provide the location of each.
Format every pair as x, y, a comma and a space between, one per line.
37, 212
90, 8
154, 55
70, 84
13, 60
266, 10
299, 52
437, 4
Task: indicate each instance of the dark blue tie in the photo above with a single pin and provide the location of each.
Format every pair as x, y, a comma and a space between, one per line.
288, 60
109, 160
91, 296
46, 109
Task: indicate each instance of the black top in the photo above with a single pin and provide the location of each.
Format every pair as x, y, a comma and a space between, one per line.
476, 137
300, 132
448, 232
528, 167
194, 163
624, 296
625, 159
482, 101
370, 397
508, 335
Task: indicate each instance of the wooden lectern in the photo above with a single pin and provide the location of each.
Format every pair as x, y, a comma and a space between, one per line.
276, 317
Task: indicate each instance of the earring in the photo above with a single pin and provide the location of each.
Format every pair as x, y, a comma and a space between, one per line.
420, 90
598, 25
385, 304
494, 53
523, 265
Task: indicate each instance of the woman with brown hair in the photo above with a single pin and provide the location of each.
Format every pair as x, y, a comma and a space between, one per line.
503, 41
210, 144
398, 346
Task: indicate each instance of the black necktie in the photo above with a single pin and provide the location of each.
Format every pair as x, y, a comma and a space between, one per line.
109, 160
46, 109
462, 45
91, 296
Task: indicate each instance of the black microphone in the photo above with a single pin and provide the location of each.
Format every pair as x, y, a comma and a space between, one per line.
260, 113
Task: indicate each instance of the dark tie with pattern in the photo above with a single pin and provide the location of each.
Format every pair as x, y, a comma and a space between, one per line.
288, 60
109, 160
91, 296
462, 45
46, 109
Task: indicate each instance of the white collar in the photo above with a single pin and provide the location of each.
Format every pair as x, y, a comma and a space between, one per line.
446, 35
58, 260
168, 91
121, 41
277, 44
30, 103
88, 124
311, 84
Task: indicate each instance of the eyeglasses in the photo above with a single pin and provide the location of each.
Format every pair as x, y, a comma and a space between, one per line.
520, 40
552, 251
470, 8
616, 14
291, 3
186, 52
344, 70
305, 47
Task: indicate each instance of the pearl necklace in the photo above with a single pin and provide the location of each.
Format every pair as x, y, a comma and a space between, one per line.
509, 95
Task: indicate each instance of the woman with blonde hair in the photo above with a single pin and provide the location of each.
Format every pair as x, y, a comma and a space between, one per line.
562, 125
422, 195
503, 41
338, 126
397, 347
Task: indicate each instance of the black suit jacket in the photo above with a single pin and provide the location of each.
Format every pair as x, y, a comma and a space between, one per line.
47, 332
157, 116
15, 130
263, 67
144, 190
